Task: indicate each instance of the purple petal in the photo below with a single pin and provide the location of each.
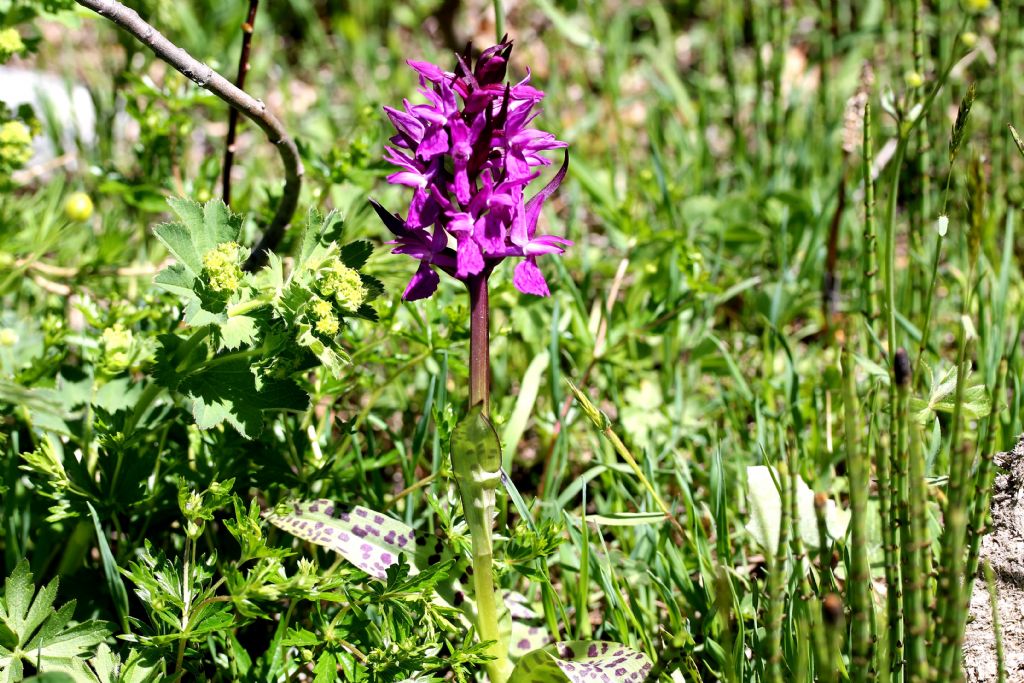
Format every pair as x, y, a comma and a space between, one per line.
528, 279
405, 123
470, 260
431, 72
408, 178
423, 210
533, 206
423, 283
546, 244
434, 143
391, 221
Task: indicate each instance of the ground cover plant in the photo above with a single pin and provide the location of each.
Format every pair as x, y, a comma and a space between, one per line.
544, 340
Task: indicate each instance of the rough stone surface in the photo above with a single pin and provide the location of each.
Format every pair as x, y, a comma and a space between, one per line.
1004, 549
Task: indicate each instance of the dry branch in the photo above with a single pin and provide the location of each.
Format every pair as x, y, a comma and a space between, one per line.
205, 77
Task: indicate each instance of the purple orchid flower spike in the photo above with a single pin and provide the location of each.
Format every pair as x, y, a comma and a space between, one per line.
468, 155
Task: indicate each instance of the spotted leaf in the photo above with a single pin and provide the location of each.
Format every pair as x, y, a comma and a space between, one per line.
367, 539
582, 661
526, 638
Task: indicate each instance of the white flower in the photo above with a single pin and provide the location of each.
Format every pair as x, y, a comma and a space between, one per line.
942, 225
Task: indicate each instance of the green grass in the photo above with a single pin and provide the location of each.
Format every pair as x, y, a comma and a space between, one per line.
719, 306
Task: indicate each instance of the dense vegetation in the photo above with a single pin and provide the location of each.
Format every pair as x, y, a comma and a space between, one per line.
747, 436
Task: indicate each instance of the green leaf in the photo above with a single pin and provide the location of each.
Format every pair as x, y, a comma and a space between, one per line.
178, 241
53, 677
475, 444
237, 331
332, 358
326, 668
111, 573
177, 279
34, 632
228, 391
627, 518
201, 229
529, 387
581, 661
355, 254
942, 398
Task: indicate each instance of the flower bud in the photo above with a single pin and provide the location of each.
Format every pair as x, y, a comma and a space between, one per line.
337, 280
10, 43
116, 343
8, 337
913, 79
222, 266
15, 144
325, 321
78, 207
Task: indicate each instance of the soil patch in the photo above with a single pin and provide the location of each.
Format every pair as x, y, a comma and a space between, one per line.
1004, 549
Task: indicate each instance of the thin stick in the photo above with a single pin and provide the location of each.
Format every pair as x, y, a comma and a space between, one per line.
205, 77
243, 71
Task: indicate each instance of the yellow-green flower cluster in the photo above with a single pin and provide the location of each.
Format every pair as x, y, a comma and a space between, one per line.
325, 321
15, 145
116, 343
8, 337
343, 284
223, 267
10, 44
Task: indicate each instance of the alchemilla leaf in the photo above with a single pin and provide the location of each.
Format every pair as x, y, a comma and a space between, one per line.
229, 391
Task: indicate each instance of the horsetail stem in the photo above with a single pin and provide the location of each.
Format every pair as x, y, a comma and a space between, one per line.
858, 589
870, 247
898, 457
997, 630
916, 544
826, 580
777, 583
952, 561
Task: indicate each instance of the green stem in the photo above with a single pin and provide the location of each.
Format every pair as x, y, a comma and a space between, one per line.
249, 306
499, 19
476, 462
859, 587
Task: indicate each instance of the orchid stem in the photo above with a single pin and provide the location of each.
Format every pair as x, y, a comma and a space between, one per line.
479, 343
477, 485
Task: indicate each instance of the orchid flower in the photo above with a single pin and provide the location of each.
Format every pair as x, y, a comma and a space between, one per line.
469, 154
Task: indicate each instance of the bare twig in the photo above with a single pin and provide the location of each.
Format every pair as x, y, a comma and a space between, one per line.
243, 71
205, 77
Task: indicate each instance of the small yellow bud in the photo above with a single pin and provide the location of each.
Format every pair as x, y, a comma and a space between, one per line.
322, 308
78, 207
327, 325
10, 43
913, 79
116, 343
223, 266
15, 144
8, 337
969, 38
342, 283
977, 5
